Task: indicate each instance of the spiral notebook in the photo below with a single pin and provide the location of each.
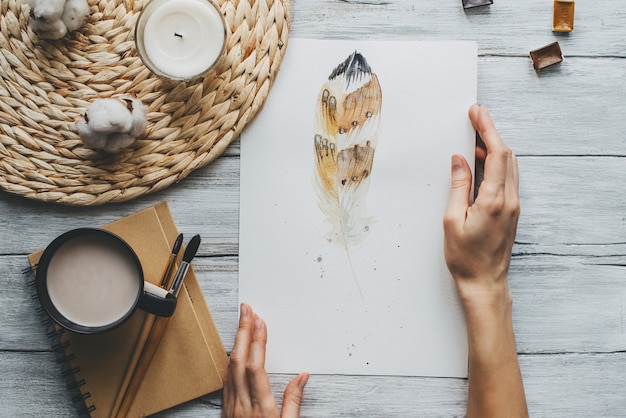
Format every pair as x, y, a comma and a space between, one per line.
190, 361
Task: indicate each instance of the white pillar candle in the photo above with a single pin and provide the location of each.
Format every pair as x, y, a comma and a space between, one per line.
180, 39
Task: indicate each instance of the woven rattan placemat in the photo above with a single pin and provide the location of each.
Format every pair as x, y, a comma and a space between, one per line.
45, 85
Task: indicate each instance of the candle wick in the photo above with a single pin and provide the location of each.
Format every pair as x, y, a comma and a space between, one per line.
178, 34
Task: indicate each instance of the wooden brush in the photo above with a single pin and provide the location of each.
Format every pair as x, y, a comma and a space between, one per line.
154, 338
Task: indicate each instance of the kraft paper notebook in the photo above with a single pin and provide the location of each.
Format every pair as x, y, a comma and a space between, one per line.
190, 361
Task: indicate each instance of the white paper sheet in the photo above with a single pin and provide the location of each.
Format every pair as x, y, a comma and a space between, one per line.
407, 319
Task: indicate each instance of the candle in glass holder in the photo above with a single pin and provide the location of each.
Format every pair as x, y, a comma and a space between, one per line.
180, 39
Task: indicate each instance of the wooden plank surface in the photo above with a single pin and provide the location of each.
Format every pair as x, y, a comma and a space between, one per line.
568, 274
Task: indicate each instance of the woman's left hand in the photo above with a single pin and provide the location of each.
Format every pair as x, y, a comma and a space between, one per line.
247, 391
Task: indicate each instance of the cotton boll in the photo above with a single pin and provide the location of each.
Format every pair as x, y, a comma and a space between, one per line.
53, 34
82, 128
111, 143
52, 19
112, 124
75, 14
118, 141
43, 25
108, 116
138, 112
48, 30
49, 10
90, 138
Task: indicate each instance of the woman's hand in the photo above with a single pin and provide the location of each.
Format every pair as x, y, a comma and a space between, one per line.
247, 391
478, 242
479, 237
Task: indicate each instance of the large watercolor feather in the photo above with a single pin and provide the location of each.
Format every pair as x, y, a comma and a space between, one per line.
347, 126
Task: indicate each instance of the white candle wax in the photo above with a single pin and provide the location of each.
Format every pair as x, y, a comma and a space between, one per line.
180, 39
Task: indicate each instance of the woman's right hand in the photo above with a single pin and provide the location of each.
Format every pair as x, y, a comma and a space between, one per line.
479, 236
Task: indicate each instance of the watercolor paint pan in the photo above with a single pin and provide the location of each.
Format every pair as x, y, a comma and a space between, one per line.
469, 4
546, 56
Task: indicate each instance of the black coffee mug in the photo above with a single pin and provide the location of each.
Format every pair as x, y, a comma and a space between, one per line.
90, 281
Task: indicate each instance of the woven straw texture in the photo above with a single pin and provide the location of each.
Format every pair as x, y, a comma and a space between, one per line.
46, 85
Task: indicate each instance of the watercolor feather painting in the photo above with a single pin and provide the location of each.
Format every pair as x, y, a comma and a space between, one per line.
347, 124
345, 175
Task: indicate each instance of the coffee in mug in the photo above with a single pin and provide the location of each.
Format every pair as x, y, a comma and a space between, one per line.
90, 280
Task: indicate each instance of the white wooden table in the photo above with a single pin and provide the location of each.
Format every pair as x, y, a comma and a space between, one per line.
567, 124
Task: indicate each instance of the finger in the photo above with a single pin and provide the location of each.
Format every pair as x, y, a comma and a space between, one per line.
511, 176
479, 116
481, 153
498, 153
481, 148
515, 180
512, 187
461, 185
237, 380
259, 382
292, 398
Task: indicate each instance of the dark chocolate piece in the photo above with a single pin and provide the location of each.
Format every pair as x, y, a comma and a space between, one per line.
468, 4
546, 56
563, 18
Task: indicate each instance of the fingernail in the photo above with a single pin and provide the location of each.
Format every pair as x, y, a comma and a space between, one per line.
244, 310
258, 322
457, 163
304, 378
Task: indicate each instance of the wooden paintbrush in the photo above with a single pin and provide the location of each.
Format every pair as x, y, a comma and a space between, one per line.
156, 334
166, 282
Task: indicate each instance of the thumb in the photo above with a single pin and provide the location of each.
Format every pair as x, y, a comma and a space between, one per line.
461, 185
292, 398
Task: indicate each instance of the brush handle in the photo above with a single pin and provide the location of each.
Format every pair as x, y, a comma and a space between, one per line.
165, 280
145, 358
146, 329
177, 283
168, 271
